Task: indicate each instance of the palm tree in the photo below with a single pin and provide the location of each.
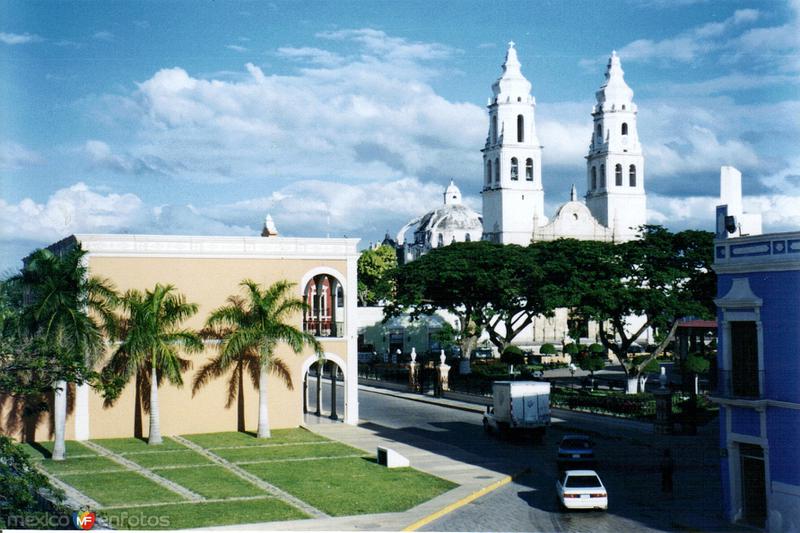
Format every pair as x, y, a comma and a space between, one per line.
151, 342
255, 326
245, 363
68, 312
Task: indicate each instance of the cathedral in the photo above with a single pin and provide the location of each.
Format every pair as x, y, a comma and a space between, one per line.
614, 205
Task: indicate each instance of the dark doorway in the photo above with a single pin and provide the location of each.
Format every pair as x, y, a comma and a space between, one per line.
754, 494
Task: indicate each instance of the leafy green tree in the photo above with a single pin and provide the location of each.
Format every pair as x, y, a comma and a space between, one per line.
547, 349
695, 364
456, 278
661, 277
512, 355
592, 359
153, 338
374, 274
257, 327
23, 484
64, 316
491, 287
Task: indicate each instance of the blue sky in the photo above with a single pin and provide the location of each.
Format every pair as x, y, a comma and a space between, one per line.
349, 118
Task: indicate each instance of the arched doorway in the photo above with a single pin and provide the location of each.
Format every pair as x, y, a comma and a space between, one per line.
324, 399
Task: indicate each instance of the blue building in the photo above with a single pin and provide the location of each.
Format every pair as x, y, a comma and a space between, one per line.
758, 312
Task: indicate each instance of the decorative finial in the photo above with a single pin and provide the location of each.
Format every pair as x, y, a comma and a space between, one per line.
511, 44
573, 194
269, 229
442, 357
613, 53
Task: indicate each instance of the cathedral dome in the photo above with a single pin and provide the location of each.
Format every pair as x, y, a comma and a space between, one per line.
448, 223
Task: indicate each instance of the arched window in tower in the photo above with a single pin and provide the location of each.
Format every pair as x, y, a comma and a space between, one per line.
489, 172
497, 171
602, 176
594, 177
529, 169
514, 169
494, 129
632, 176
624, 128
618, 175
599, 132
520, 129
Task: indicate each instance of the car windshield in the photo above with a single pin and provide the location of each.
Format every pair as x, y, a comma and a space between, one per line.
581, 482
575, 444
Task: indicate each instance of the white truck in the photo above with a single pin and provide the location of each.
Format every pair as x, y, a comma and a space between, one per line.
521, 406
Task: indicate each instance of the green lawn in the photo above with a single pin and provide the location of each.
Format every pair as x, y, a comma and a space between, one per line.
294, 451
138, 445
233, 438
328, 475
212, 482
121, 488
80, 464
179, 457
352, 485
44, 450
201, 514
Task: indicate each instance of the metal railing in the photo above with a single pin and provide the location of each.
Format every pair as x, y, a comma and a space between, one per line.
323, 328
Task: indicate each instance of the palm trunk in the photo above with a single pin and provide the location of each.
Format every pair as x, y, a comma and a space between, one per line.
263, 414
60, 414
155, 424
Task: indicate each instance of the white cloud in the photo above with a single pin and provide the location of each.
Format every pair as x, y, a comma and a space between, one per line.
237, 48
312, 55
101, 156
83, 209
689, 45
14, 156
17, 38
393, 48
104, 36
363, 118
316, 207
70, 210
779, 212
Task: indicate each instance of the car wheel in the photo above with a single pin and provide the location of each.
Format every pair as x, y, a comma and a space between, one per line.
486, 427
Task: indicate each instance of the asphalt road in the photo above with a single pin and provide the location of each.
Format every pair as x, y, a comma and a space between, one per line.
627, 465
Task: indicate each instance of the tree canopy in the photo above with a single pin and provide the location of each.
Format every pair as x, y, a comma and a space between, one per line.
375, 267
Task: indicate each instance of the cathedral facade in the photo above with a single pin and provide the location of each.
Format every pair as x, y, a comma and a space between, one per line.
513, 196
612, 209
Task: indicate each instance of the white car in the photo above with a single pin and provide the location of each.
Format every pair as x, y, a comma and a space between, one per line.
581, 489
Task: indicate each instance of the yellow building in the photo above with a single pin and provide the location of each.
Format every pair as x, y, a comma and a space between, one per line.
207, 270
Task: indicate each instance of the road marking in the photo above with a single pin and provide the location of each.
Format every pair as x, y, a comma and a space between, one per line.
463, 501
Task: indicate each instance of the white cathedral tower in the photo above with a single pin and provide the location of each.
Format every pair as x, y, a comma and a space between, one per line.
512, 189
615, 165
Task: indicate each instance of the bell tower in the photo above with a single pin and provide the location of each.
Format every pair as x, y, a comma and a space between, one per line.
615, 164
512, 172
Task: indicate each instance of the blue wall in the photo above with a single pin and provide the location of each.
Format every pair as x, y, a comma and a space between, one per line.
783, 430
745, 421
780, 317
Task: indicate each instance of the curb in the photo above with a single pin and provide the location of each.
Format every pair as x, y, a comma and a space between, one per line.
423, 399
464, 501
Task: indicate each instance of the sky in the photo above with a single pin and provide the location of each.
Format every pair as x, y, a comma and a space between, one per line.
350, 118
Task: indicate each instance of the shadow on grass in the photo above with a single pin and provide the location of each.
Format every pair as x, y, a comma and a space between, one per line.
47, 454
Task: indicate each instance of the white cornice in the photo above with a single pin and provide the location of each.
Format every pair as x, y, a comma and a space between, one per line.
122, 245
